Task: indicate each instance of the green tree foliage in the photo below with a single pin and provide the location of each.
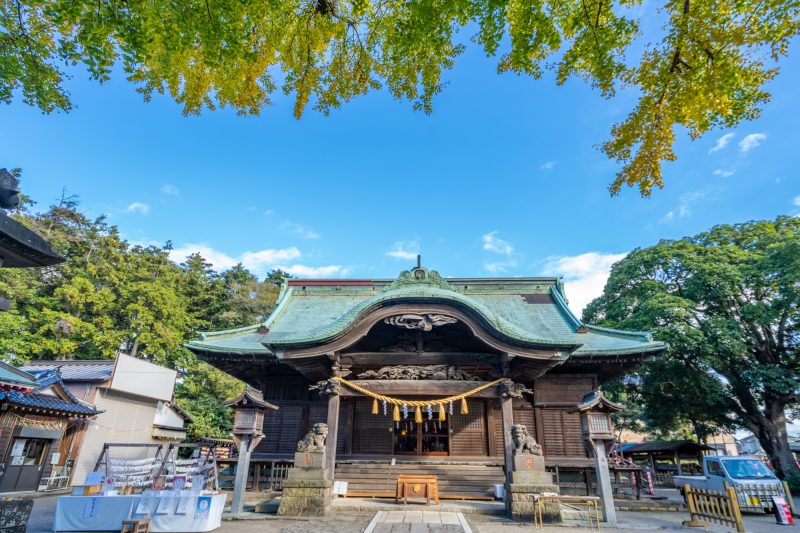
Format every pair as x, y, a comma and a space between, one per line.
705, 67
728, 303
112, 296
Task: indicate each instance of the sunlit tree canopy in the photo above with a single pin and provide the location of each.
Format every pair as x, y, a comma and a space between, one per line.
705, 67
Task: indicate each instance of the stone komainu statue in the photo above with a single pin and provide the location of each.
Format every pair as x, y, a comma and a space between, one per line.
314, 441
523, 442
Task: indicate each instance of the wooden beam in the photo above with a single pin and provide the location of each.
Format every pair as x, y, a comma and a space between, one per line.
333, 430
425, 358
508, 444
430, 387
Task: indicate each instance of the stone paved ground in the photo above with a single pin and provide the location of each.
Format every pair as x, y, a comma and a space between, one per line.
407, 521
42, 519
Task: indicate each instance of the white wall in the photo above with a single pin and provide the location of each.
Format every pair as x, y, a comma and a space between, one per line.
166, 415
142, 378
127, 419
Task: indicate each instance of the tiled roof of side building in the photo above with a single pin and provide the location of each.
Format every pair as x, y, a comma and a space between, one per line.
46, 401
526, 310
76, 370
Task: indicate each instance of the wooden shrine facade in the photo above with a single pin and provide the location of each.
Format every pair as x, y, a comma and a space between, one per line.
421, 337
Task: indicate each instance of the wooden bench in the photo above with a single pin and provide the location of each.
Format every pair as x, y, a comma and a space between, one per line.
590, 502
135, 526
417, 486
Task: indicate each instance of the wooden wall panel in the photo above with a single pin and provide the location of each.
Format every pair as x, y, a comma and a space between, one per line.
527, 419
371, 432
496, 437
469, 431
562, 389
562, 433
344, 438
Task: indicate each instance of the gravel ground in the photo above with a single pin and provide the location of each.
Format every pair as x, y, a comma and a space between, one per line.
42, 519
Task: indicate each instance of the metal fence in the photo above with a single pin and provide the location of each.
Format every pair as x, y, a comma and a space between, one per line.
755, 497
263, 476
625, 483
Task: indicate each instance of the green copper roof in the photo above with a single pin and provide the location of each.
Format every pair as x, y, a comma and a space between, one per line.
522, 311
246, 340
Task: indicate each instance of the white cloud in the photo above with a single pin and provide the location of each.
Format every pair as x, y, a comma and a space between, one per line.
499, 267
138, 207
796, 200
492, 243
550, 165
315, 272
685, 204
722, 142
585, 275
751, 141
260, 262
406, 250
297, 229
724, 173
170, 189
263, 260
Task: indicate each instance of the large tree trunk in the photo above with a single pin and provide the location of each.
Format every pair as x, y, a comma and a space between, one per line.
774, 438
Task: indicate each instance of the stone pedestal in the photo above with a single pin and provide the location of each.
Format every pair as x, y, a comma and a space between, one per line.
528, 479
307, 489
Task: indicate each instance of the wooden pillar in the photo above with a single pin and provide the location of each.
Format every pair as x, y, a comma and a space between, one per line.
678, 463
333, 430
604, 490
507, 415
242, 469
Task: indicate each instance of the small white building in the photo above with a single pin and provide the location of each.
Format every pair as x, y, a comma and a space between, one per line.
136, 403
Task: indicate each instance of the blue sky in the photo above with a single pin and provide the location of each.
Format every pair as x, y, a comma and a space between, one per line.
502, 180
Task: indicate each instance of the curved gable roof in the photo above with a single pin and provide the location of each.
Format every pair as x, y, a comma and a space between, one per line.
522, 311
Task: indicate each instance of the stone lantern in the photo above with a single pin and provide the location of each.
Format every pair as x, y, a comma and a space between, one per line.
595, 410
248, 425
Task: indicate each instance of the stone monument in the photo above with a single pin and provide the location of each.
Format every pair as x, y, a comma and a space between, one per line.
529, 479
307, 489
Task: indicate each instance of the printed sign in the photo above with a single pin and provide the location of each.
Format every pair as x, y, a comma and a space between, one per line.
17, 461
145, 503
19, 447
198, 482
203, 508
340, 488
90, 511
108, 484
55, 458
178, 483
93, 478
783, 514
183, 504
164, 504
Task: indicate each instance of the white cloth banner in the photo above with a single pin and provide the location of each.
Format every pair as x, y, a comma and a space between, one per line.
109, 512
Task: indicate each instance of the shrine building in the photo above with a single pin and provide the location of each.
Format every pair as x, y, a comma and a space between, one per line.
511, 345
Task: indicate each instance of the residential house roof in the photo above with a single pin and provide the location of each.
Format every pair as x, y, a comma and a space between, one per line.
77, 370
12, 377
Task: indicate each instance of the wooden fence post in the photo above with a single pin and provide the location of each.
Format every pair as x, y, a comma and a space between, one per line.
736, 513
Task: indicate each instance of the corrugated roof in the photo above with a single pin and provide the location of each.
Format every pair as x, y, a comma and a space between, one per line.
77, 370
524, 310
666, 446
